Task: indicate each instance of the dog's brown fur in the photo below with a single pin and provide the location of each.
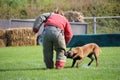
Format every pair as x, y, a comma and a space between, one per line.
79, 53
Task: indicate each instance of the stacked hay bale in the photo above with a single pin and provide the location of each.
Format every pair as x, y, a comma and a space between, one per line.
2, 38
74, 16
21, 37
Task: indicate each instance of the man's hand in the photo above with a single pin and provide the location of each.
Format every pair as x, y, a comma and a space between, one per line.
35, 30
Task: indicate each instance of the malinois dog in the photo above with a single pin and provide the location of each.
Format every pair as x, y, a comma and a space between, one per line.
79, 53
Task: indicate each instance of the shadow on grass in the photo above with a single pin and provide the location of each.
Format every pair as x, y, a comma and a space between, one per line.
68, 67
26, 69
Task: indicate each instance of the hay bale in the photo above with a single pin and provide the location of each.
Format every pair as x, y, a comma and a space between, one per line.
74, 16
2, 33
21, 37
2, 38
2, 42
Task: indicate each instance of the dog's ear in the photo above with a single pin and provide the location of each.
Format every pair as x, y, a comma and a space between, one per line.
66, 53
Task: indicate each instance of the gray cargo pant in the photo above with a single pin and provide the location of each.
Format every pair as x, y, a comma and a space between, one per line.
53, 39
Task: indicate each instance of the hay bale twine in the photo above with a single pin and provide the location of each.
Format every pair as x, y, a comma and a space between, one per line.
2, 38
21, 37
74, 16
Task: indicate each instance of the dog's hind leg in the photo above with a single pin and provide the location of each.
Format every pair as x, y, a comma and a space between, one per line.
92, 59
97, 51
96, 58
73, 63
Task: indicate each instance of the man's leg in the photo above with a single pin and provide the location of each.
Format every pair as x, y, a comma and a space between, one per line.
60, 47
48, 52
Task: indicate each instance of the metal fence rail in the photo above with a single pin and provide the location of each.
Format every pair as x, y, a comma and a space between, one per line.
4, 24
95, 19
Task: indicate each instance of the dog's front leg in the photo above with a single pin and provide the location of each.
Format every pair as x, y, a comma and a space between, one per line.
92, 59
73, 63
79, 61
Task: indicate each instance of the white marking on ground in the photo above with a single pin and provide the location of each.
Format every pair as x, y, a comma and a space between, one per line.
91, 67
85, 66
37, 64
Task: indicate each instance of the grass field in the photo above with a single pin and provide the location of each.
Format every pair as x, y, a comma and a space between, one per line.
26, 63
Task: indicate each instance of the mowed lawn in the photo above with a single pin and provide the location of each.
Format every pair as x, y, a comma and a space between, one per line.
26, 63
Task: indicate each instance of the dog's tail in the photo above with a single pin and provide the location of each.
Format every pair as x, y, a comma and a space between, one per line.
98, 49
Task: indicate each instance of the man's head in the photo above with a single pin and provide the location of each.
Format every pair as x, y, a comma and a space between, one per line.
58, 11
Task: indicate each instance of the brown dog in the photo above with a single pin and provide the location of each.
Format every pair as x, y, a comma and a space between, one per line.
79, 53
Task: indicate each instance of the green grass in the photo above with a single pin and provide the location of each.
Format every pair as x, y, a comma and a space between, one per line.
26, 63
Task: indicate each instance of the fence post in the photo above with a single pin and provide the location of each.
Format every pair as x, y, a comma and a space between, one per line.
94, 25
10, 23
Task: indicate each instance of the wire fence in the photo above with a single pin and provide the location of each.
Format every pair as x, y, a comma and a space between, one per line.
96, 25
104, 24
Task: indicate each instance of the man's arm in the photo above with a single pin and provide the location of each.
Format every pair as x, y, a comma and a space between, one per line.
39, 21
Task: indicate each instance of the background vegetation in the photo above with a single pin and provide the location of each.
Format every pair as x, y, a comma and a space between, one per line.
32, 8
